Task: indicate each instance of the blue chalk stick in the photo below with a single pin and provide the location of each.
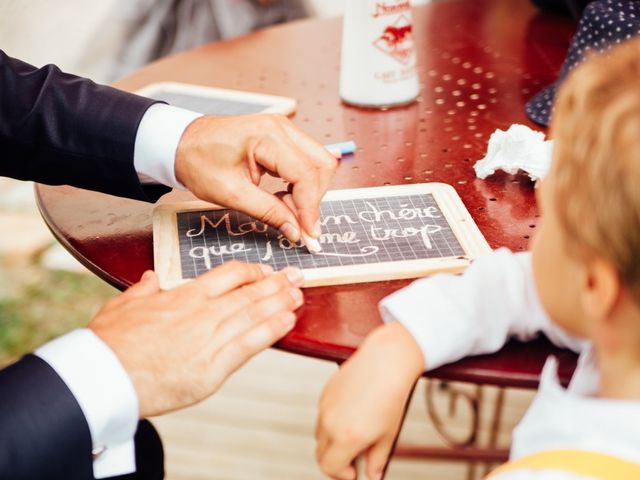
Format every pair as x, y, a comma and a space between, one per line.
344, 148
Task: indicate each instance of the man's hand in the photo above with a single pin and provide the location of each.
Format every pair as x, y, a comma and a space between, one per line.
179, 346
221, 160
362, 405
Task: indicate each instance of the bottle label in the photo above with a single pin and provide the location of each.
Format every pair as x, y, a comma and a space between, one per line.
395, 38
390, 9
379, 53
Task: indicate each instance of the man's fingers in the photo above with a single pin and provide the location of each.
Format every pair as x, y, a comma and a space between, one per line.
312, 244
302, 162
278, 154
320, 171
307, 194
377, 457
287, 198
244, 147
325, 160
269, 209
255, 172
243, 297
242, 347
307, 208
287, 300
227, 277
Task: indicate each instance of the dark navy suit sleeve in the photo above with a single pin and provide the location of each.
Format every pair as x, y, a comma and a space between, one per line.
43, 432
60, 129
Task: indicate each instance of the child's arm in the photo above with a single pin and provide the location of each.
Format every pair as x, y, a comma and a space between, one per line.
362, 405
433, 321
453, 316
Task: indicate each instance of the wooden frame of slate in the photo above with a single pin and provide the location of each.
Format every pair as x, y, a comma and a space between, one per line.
369, 234
217, 101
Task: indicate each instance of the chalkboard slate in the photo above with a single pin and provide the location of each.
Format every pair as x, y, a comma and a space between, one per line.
217, 101
384, 232
355, 231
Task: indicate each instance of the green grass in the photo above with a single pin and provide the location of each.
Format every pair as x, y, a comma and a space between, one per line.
38, 304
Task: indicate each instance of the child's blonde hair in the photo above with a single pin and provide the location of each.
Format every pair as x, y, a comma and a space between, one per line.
596, 131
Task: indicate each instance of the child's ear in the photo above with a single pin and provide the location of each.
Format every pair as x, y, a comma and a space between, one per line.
601, 288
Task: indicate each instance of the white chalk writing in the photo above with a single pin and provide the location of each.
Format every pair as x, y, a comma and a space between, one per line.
364, 252
369, 224
373, 214
205, 253
382, 234
242, 229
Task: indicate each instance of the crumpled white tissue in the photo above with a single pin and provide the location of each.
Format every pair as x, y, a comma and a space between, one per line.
519, 148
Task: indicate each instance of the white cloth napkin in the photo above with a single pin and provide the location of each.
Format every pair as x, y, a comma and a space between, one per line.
519, 148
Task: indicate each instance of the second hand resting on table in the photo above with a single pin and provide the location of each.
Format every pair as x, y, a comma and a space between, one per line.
204, 330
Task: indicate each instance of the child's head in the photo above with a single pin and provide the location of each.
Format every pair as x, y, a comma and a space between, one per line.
587, 251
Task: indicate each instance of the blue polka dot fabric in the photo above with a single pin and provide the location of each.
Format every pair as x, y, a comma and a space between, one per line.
604, 24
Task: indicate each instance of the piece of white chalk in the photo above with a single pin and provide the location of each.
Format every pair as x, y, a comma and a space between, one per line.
312, 244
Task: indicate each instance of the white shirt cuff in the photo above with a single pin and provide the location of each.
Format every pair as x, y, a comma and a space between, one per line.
105, 393
157, 141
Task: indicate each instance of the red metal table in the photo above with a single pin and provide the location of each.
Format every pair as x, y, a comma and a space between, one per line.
479, 61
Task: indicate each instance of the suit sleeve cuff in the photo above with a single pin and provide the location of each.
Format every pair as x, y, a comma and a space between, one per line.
157, 142
105, 393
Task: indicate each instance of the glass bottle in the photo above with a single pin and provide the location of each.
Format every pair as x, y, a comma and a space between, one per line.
378, 64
